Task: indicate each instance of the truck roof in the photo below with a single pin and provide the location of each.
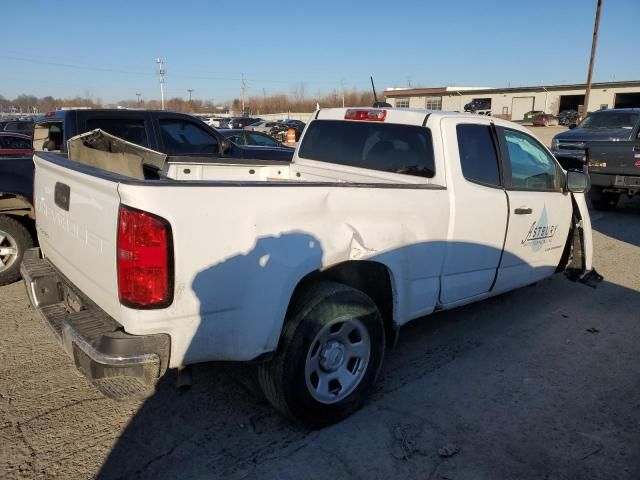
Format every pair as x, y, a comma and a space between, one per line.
61, 114
409, 116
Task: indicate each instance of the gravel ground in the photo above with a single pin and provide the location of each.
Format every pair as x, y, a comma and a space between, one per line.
540, 383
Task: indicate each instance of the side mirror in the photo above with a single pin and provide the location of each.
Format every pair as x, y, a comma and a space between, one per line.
577, 182
572, 126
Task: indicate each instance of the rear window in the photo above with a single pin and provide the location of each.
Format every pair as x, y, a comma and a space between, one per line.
387, 147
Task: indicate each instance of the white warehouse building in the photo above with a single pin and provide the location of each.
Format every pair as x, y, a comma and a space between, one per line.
513, 102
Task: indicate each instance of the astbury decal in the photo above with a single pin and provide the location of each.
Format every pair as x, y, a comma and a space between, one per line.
540, 232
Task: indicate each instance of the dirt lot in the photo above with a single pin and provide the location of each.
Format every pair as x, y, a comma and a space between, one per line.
546, 134
541, 383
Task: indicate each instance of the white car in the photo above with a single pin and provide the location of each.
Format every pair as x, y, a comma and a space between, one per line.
308, 269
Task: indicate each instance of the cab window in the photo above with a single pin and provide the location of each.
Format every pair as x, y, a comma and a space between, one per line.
181, 137
237, 139
131, 130
262, 140
532, 168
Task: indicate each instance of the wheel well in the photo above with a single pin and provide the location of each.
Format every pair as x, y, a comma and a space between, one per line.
25, 221
372, 278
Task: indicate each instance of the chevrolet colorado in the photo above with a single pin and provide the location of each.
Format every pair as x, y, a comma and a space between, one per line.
308, 269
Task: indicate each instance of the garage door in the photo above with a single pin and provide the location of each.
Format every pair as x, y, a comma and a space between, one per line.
627, 100
520, 106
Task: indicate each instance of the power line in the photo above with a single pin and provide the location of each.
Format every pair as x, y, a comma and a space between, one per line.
142, 73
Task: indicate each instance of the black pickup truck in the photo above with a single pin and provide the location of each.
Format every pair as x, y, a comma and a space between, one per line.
607, 145
171, 133
168, 132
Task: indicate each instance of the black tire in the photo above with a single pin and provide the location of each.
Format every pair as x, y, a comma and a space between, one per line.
603, 200
12, 232
283, 378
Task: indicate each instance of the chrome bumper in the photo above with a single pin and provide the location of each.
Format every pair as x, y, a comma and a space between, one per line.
120, 365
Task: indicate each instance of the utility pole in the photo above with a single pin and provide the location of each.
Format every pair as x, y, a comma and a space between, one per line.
243, 87
138, 95
594, 43
161, 73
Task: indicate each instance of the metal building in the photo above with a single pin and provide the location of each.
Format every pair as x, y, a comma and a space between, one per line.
512, 103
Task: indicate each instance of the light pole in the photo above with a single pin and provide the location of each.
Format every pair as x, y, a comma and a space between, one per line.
161, 72
592, 59
190, 90
138, 95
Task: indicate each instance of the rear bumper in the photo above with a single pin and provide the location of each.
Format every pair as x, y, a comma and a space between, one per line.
120, 365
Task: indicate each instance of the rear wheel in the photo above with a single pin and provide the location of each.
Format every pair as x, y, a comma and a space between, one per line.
330, 355
14, 240
603, 200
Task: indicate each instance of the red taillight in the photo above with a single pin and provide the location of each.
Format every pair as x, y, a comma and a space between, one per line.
370, 115
145, 260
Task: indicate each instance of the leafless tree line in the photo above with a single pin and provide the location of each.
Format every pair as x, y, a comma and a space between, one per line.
297, 101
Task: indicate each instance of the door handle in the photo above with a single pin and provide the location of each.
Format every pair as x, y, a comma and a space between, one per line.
523, 211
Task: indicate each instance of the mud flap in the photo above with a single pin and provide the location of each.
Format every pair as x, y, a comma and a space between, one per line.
580, 265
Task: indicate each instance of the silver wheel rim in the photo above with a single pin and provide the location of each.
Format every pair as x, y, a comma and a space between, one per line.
337, 360
8, 251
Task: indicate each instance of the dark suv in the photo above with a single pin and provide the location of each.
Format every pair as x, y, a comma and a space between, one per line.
607, 145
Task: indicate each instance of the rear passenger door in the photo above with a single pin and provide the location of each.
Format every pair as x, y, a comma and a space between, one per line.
539, 211
479, 210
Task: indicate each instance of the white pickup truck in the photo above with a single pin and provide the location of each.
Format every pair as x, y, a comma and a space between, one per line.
307, 269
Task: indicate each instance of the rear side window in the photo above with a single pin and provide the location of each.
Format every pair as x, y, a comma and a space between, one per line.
388, 147
185, 138
478, 155
131, 130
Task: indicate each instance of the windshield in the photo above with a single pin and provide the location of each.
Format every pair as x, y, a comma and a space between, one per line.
625, 120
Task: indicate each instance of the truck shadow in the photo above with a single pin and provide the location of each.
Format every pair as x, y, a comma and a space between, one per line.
224, 427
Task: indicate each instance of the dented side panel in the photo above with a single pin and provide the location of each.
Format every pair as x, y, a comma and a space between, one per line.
235, 273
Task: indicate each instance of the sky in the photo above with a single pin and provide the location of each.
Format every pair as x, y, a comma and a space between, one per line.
71, 47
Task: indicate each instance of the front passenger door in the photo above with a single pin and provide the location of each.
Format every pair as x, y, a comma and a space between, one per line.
539, 211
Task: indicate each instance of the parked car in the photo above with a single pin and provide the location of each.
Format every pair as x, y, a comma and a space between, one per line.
476, 105
241, 122
13, 143
262, 126
567, 117
545, 120
531, 114
607, 145
257, 141
20, 126
306, 269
